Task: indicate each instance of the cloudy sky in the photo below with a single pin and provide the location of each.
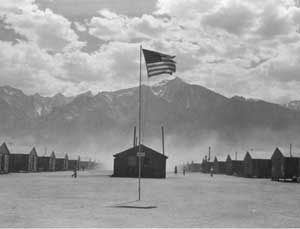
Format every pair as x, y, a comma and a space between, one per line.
235, 47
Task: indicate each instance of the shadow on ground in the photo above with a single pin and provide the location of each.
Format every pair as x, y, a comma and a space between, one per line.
137, 204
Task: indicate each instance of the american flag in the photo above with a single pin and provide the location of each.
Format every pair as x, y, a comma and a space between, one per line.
158, 63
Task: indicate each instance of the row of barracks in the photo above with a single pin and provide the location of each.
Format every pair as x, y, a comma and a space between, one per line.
278, 166
190, 167
31, 162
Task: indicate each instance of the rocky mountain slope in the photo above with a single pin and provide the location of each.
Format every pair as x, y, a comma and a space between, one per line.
193, 116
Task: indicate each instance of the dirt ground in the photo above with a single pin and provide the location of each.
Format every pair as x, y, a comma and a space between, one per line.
96, 200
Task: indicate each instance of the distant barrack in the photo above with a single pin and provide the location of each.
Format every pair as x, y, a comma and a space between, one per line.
31, 162
277, 167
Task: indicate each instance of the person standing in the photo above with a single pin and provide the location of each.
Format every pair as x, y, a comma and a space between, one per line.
74, 173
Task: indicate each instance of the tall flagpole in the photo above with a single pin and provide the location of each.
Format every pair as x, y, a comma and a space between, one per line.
140, 117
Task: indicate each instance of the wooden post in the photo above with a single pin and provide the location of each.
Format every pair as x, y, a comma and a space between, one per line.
163, 139
290, 150
134, 136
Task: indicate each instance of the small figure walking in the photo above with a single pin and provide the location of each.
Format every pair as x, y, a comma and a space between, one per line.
183, 171
211, 171
175, 170
75, 173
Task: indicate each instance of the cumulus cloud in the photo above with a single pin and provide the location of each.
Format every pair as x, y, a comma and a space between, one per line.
184, 8
50, 31
252, 45
248, 47
110, 26
234, 18
274, 21
26, 66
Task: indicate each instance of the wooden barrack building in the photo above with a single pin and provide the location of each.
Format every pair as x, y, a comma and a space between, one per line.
284, 167
219, 166
234, 167
61, 163
18, 162
206, 165
153, 165
46, 163
255, 165
74, 164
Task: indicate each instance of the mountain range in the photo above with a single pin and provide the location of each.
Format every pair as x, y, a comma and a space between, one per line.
100, 125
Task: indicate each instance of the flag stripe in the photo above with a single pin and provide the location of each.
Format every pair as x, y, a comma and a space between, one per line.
164, 61
158, 64
160, 72
161, 68
167, 58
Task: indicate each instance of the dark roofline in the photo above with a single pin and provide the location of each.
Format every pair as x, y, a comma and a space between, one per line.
43, 156
19, 154
142, 145
261, 159
283, 154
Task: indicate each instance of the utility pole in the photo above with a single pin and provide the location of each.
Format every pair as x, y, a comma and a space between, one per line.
163, 140
134, 136
290, 150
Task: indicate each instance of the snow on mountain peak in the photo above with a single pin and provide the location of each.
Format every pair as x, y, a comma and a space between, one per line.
165, 82
159, 91
11, 91
293, 105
